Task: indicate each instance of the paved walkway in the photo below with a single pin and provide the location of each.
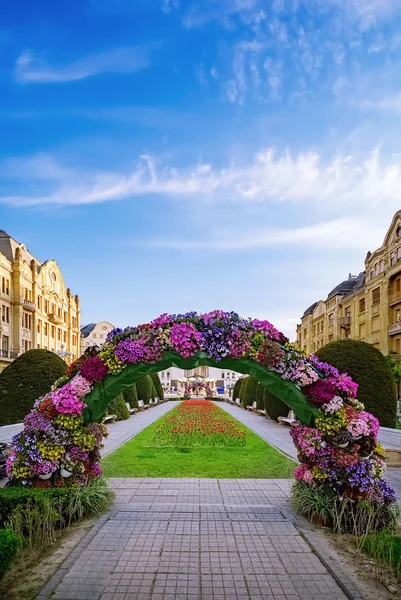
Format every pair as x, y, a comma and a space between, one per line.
193, 539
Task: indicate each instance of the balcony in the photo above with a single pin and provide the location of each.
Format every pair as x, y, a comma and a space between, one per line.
53, 318
28, 305
345, 322
394, 297
394, 328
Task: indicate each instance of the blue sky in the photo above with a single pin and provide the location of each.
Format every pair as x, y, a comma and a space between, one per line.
178, 155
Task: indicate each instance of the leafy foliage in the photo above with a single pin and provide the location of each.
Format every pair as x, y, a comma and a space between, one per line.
369, 368
259, 397
237, 388
144, 388
119, 408
158, 386
130, 395
274, 407
29, 377
249, 394
9, 546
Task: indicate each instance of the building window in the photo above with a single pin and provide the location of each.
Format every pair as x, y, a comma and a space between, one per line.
74, 321
46, 306
5, 316
53, 331
5, 286
39, 300
362, 305
53, 309
46, 331
331, 319
59, 335
39, 326
331, 337
59, 312
168, 375
381, 266
399, 253
376, 296
5, 343
393, 258
65, 317
222, 375
65, 337
74, 340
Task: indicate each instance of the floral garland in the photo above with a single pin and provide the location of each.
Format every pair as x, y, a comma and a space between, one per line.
56, 447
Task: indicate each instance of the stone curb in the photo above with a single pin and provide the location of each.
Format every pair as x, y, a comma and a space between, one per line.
59, 575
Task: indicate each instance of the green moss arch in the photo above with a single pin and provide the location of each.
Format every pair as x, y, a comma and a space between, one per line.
105, 392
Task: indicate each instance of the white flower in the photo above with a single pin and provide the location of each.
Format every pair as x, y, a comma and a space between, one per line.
333, 406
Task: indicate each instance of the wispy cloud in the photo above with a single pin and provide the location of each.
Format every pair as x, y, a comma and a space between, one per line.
346, 233
342, 181
31, 68
200, 14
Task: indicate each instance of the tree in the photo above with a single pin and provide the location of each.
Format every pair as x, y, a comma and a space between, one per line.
144, 388
237, 388
131, 396
119, 408
274, 407
158, 386
249, 395
369, 369
28, 378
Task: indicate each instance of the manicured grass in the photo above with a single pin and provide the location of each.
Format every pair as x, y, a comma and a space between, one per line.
139, 458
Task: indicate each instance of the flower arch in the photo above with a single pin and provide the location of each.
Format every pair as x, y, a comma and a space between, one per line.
336, 440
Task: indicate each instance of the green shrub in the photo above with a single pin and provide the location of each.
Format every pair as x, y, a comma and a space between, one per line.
153, 393
9, 546
119, 408
29, 377
385, 547
130, 396
35, 514
158, 386
369, 368
242, 389
144, 388
274, 407
237, 388
259, 397
249, 394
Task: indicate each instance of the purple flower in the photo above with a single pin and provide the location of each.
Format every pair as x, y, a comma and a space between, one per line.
94, 369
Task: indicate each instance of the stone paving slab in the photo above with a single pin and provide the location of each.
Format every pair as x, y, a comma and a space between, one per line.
191, 549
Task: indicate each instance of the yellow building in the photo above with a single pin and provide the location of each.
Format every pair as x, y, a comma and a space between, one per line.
37, 311
364, 307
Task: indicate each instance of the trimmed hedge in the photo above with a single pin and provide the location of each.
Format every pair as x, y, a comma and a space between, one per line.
119, 408
9, 546
158, 386
242, 389
28, 378
259, 397
274, 407
144, 388
130, 396
249, 394
237, 389
369, 368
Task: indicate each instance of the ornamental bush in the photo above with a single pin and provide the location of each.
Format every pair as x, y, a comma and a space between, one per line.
242, 389
9, 546
249, 395
158, 386
29, 377
119, 408
369, 368
259, 397
237, 388
144, 388
130, 396
274, 407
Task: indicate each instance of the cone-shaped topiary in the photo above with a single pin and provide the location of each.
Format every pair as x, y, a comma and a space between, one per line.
249, 394
131, 396
369, 369
259, 397
274, 407
158, 386
237, 388
144, 388
29, 377
119, 408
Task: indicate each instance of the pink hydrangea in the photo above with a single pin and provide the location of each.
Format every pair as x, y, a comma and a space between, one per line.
358, 427
185, 339
371, 422
303, 473
333, 406
346, 385
80, 385
67, 402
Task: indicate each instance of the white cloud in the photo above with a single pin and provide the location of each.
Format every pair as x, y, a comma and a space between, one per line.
35, 69
345, 233
200, 14
391, 103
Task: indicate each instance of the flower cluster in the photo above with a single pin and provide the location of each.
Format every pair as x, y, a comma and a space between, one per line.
340, 450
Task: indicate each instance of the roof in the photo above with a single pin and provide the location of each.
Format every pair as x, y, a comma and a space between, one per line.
347, 286
310, 310
87, 329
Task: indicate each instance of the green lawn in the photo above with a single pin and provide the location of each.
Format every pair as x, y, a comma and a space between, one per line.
138, 458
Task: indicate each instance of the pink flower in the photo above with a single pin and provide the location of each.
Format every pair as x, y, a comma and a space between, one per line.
185, 339
372, 423
302, 473
80, 385
67, 402
94, 369
358, 427
345, 384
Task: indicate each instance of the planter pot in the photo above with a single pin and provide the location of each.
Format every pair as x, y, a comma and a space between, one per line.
67, 456
368, 456
45, 476
343, 445
65, 473
355, 439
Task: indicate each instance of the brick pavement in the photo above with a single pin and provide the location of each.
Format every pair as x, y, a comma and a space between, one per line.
193, 539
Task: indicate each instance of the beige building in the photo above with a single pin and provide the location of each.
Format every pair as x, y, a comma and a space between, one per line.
94, 334
365, 307
37, 310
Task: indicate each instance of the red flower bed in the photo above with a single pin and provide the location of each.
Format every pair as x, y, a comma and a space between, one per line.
198, 423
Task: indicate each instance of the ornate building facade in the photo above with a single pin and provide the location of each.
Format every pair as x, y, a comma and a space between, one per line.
94, 334
36, 308
365, 307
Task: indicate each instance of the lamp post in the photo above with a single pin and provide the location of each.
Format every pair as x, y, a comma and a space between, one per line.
63, 353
